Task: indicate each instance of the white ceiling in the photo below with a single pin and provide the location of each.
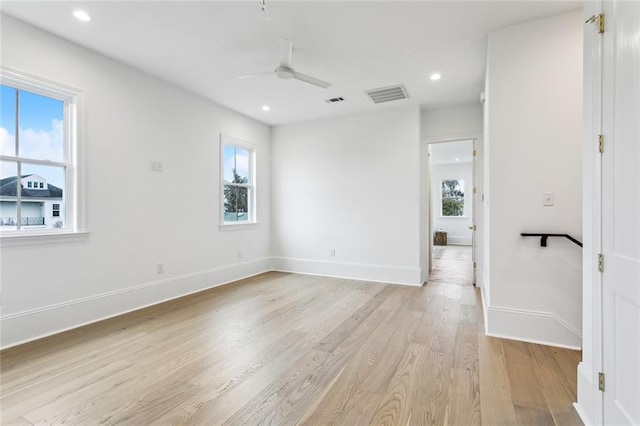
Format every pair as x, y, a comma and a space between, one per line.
203, 45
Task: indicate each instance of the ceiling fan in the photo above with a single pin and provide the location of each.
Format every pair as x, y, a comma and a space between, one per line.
285, 70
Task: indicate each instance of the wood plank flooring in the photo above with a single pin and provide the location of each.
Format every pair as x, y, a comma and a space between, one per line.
286, 349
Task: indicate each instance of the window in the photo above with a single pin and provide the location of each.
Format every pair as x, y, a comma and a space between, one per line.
237, 170
38, 151
452, 197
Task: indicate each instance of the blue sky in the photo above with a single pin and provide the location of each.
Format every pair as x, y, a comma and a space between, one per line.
235, 158
41, 126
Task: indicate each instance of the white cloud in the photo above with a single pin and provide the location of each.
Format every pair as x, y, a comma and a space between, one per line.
43, 144
7, 142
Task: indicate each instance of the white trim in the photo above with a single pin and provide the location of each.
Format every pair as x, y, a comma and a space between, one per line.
350, 270
485, 303
452, 240
25, 326
450, 138
539, 327
39, 237
587, 391
238, 225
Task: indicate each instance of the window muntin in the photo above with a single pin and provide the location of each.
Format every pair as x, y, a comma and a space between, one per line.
37, 153
237, 170
452, 197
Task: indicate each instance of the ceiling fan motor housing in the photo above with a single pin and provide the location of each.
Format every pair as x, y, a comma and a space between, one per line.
284, 72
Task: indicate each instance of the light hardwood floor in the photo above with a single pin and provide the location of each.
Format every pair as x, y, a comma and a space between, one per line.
288, 349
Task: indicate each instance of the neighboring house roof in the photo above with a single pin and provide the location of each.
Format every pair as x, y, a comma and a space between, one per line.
8, 188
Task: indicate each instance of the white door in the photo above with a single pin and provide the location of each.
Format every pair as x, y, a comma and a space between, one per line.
621, 212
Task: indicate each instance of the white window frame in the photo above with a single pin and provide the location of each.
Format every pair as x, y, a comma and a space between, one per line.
73, 197
226, 140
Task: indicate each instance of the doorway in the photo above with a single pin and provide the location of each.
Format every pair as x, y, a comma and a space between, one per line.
452, 202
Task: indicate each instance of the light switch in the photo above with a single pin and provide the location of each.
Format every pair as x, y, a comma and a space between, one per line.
157, 166
548, 199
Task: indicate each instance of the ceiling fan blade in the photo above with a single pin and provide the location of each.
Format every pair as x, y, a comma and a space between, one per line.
254, 74
311, 80
286, 49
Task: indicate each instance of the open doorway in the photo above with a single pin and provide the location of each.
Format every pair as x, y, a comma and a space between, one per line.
452, 207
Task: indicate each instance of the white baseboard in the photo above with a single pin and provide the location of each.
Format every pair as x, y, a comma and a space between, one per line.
531, 326
586, 405
23, 327
355, 271
458, 241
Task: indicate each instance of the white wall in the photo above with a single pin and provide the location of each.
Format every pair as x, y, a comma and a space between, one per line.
534, 111
136, 218
352, 184
452, 121
457, 228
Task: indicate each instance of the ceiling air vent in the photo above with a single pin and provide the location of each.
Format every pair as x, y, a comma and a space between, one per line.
332, 100
386, 94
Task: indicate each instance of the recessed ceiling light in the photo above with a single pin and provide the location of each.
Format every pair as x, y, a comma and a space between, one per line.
435, 76
457, 159
82, 15
266, 108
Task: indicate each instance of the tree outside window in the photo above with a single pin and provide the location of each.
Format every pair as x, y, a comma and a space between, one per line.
452, 197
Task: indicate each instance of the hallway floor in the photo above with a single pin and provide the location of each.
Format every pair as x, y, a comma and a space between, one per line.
519, 383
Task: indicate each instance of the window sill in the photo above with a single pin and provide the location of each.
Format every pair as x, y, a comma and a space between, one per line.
35, 238
454, 217
231, 226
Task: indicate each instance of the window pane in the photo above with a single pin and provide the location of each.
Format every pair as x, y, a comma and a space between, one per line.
8, 191
236, 164
236, 201
229, 162
7, 121
41, 127
452, 197
242, 166
37, 203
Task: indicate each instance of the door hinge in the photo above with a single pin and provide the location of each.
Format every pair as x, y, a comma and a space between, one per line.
475, 190
598, 20
474, 153
600, 263
601, 382
475, 265
600, 144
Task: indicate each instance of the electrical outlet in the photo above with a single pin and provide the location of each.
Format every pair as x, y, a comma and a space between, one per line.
333, 252
160, 268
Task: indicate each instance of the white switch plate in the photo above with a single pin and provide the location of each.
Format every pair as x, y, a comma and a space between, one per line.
157, 166
548, 199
